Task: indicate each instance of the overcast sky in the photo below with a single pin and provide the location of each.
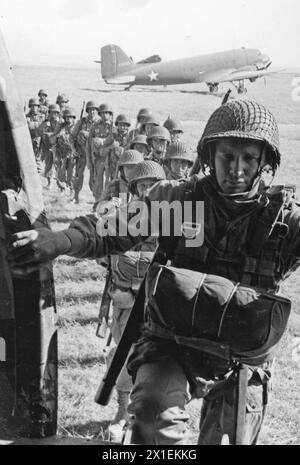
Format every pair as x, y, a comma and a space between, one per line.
71, 32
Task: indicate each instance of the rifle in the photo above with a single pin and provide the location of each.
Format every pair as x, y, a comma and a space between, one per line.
103, 317
82, 109
75, 140
129, 337
28, 377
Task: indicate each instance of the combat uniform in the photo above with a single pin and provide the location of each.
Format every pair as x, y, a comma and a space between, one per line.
81, 133
127, 270
34, 121
65, 155
44, 104
48, 131
96, 156
113, 148
251, 240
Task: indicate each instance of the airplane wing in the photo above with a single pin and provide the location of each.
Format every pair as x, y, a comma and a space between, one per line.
229, 75
152, 59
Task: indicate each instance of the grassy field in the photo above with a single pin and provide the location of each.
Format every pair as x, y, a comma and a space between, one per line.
79, 283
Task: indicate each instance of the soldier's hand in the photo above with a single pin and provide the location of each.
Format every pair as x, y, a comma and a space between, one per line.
31, 248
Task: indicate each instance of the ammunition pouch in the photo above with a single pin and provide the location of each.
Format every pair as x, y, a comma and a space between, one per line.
127, 271
214, 315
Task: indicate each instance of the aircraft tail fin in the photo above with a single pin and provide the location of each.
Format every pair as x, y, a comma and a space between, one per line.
114, 61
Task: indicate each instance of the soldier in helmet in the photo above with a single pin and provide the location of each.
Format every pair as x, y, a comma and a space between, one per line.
95, 153
129, 268
48, 131
217, 341
178, 161
62, 100
142, 114
158, 140
120, 184
175, 129
114, 145
44, 104
139, 143
34, 119
66, 151
81, 133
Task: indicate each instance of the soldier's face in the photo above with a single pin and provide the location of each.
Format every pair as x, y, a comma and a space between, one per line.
176, 136
141, 148
43, 98
35, 109
92, 112
70, 120
179, 167
143, 185
237, 163
148, 127
106, 116
159, 145
128, 171
123, 128
53, 115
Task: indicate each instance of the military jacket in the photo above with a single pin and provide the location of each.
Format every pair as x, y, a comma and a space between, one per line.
48, 131
82, 129
65, 140
34, 121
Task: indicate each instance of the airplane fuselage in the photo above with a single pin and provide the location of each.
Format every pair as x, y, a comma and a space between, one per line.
189, 70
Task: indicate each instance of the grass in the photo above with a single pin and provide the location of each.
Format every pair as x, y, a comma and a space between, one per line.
79, 283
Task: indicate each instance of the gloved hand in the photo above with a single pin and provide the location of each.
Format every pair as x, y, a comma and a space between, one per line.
29, 249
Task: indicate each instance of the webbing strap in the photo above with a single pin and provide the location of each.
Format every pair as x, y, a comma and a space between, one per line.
241, 403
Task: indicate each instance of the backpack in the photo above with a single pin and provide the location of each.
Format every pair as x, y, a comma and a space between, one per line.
214, 314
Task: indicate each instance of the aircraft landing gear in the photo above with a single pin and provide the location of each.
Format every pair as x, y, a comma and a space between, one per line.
213, 87
127, 88
241, 89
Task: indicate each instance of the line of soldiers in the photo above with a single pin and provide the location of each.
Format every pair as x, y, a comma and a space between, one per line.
67, 146
213, 316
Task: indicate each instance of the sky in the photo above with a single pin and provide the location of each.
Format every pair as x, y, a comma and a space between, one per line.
71, 32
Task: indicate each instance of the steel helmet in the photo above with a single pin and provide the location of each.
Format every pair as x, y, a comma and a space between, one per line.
159, 132
42, 92
147, 169
242, 119
150, 119
91, 104
172, 124
143, 112
69, 112
179, 151
54, 107
122, 119
104, 108
33, 102
139, 139
62, 98
130, 157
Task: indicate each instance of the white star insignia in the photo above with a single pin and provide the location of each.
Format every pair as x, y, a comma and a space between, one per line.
153, 76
